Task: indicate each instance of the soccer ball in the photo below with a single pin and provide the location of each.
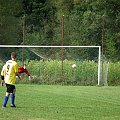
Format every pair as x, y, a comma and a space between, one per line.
74, 66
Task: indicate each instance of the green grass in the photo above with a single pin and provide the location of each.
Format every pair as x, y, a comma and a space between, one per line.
55, 102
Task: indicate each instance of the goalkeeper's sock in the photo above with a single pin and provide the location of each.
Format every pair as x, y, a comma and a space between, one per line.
12, 98
29, 78
5, 101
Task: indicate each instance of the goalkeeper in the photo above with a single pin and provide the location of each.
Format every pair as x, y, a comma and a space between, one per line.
22, 69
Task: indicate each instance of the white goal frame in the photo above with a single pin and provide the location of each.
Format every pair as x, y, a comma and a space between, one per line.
36, 46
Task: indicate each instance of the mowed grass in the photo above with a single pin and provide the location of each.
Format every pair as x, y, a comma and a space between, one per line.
55, 102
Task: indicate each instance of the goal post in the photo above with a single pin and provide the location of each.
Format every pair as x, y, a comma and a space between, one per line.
37, 46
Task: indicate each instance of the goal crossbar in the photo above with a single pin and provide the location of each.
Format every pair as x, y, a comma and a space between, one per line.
36, 46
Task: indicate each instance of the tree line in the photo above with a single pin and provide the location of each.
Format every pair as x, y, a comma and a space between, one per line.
42, 23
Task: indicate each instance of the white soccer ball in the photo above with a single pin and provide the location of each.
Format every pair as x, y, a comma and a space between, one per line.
74, 66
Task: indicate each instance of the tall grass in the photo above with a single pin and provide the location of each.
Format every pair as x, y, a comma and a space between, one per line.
86, 72
50, 72
114, 73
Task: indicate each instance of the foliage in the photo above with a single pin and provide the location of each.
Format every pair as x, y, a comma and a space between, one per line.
82, 23
86, 72
113, 73
50, 72
9, 22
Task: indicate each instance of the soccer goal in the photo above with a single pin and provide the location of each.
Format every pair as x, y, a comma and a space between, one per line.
75, 65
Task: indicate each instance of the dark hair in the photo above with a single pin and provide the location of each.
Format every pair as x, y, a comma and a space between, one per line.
13, 55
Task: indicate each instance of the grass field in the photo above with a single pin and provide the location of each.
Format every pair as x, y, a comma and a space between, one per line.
55, 102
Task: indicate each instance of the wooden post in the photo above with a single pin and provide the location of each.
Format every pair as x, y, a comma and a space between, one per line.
102, 47
62, 44
23, 36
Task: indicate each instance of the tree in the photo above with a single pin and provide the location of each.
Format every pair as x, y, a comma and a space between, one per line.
82, 23
9, 23
39, 21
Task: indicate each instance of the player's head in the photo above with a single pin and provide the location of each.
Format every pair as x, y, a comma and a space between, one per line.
13, 55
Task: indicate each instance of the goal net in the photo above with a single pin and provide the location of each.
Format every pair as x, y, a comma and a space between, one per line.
70, 65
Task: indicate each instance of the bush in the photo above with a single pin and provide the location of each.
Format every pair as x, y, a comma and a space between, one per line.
50, 72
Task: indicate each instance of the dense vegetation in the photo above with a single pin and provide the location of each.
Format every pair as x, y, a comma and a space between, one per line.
86, 72
42, 18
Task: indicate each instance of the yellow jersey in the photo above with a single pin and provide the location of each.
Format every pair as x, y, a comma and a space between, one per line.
11, 68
